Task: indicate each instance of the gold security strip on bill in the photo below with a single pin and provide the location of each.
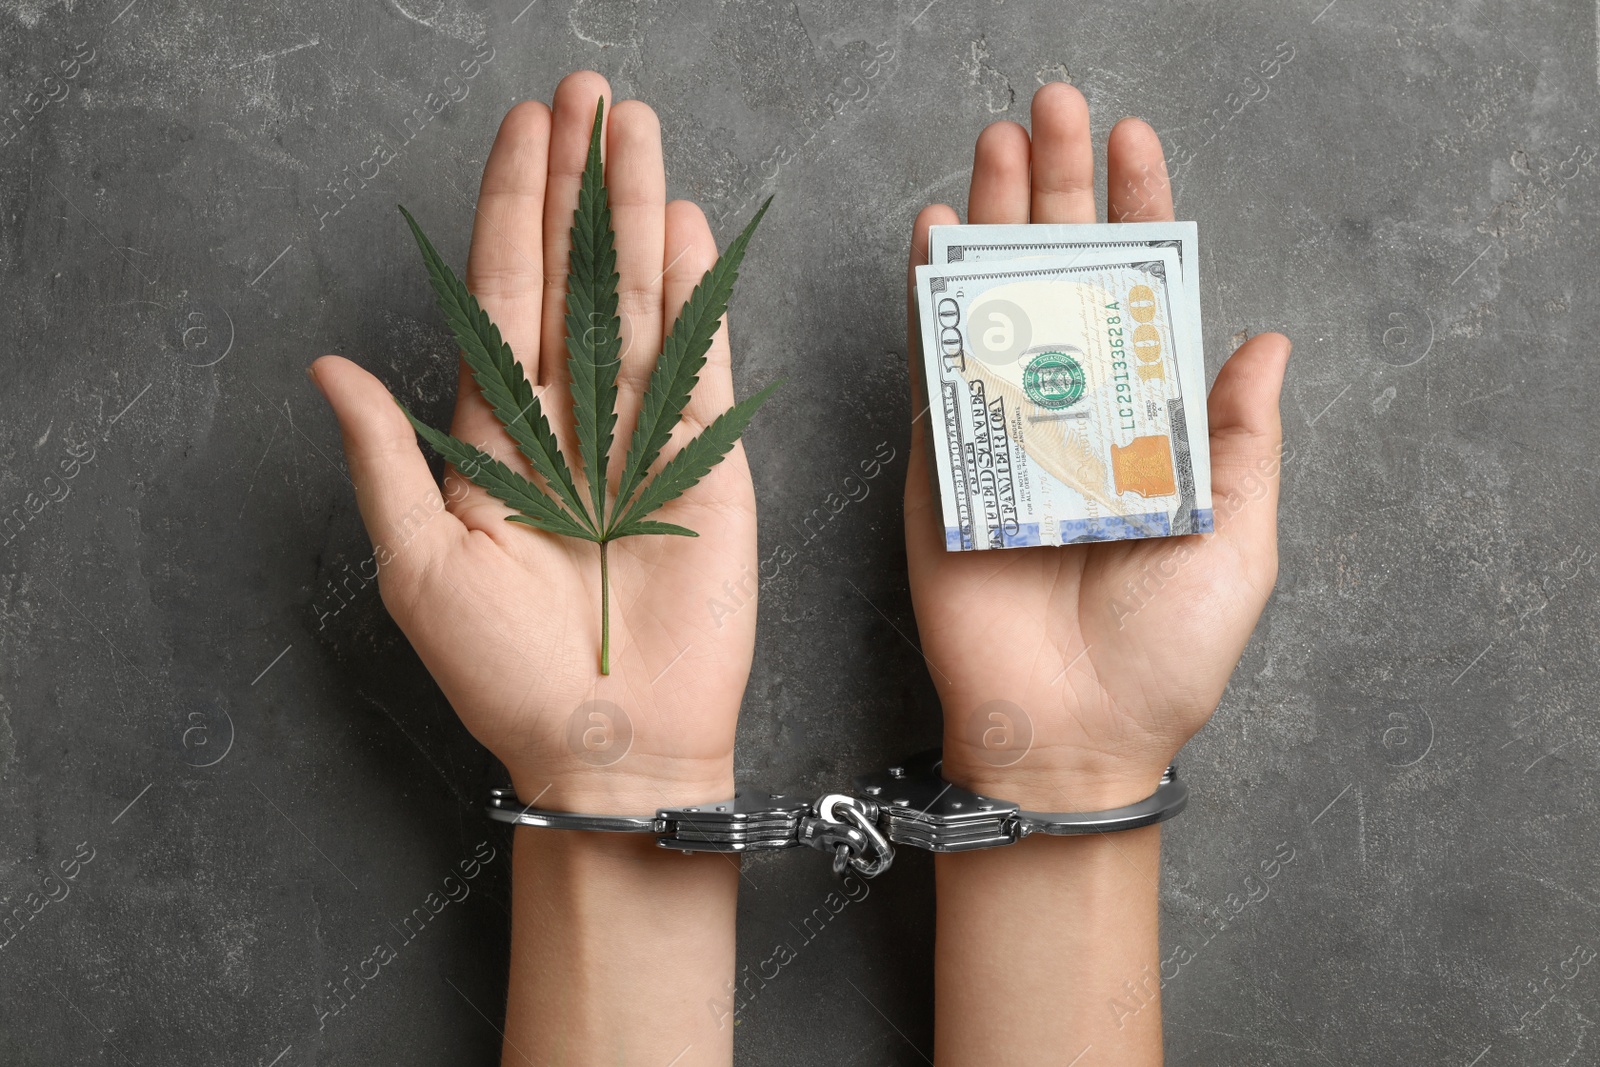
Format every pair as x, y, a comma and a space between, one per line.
1057, 409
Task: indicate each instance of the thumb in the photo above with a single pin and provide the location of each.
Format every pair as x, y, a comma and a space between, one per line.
400, 505
1247, 449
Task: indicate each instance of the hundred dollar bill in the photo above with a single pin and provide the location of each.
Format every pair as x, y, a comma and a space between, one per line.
989, 243
1057, 413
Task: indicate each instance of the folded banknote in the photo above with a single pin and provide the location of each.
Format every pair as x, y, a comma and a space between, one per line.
1065, 382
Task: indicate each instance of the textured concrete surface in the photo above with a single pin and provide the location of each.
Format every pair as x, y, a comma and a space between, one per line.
251, 788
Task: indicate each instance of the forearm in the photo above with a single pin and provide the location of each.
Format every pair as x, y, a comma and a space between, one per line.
1048, 952
620, 952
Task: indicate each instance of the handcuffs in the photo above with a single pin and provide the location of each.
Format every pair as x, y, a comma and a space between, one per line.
908, 804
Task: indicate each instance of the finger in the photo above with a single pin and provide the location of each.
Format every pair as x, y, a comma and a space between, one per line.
1063, 158
505, 269
1137, 189
401, 506
636, 183
999, 190
572, 120
922, 531
689, 252
1246, 449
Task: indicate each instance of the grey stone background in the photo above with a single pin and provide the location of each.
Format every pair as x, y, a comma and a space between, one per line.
253, 781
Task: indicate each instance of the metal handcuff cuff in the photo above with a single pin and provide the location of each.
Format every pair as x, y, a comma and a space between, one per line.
909, 804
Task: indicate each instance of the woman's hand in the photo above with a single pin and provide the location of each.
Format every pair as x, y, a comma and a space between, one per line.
1071, 676
506, 618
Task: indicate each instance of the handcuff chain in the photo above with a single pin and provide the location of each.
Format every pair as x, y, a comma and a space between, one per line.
855, 840
907, 804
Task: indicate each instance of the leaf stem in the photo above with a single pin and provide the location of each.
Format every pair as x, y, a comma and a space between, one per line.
605, 613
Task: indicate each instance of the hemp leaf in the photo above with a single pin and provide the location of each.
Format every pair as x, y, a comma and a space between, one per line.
593, 354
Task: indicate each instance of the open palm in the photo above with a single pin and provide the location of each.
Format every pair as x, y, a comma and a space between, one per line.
507, 618
1070, 676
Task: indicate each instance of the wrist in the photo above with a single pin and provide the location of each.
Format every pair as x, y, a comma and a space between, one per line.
1047, 947
606, 869
641, 788
1054, 779
621, 951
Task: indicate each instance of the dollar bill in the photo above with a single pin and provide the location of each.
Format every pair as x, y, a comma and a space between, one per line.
989, 243
1057, 410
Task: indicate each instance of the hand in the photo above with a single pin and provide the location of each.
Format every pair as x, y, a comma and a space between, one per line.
506, 618
1115, 652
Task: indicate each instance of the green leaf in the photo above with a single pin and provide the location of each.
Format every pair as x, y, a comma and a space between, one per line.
683, 355
594, 338
540, 524
503, 483
695, 460
500, 377
594, 342
649, 526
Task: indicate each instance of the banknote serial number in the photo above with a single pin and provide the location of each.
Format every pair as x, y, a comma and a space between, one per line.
1119, 366
1145, 344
